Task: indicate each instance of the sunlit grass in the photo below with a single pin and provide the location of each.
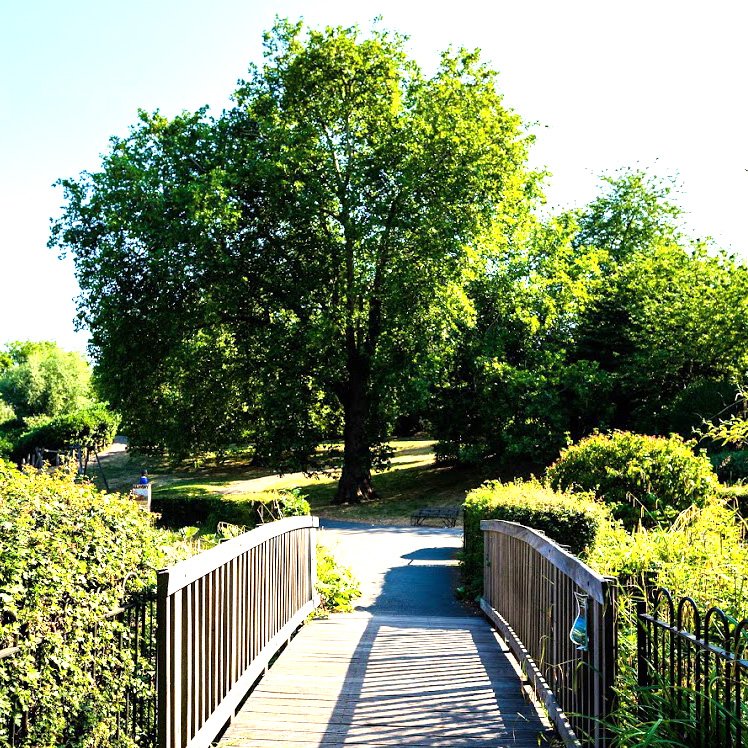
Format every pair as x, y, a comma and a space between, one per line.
414, 480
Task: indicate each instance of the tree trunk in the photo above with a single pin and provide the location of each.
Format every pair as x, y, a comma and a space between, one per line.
355, 481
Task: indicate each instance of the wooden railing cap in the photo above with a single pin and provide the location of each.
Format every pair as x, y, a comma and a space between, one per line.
593, 583
191, 569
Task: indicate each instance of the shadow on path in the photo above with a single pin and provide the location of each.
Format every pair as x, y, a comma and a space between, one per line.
402, 570
422, 674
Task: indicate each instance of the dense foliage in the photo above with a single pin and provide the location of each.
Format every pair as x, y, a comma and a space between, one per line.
645, 479
609, 317
245, 510
336, 584
41, 379
731, 466
572, 520
702, 555
93, 427
69, 555
356, 247
47, 401
296, 267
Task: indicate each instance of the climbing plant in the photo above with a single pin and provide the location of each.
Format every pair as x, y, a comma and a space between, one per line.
68, 555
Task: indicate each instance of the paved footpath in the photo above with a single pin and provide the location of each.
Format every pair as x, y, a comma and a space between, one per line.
411, 667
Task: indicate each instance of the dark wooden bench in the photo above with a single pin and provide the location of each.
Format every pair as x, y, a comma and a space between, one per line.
447, 514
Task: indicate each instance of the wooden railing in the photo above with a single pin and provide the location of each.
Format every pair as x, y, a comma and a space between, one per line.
222, 616
529, 586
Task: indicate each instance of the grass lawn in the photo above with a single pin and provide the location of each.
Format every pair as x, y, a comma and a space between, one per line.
401, 490
123, 469
414, 480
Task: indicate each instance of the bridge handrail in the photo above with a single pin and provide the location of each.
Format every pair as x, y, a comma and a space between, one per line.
222, 616
529, 593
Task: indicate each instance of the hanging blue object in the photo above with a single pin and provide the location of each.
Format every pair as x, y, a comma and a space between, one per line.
578, 633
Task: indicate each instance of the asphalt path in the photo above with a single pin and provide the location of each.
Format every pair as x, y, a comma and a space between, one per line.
410, 571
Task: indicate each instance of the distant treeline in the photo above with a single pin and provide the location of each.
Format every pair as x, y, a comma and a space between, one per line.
47, 401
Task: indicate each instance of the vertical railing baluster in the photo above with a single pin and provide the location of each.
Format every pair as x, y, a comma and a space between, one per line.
197, 640
222, 615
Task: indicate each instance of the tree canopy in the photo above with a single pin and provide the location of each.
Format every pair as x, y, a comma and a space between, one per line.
40, 379
298, 266
48, 401
609, 317
354, 242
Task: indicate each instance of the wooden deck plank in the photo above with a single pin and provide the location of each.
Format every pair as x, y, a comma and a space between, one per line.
390, 681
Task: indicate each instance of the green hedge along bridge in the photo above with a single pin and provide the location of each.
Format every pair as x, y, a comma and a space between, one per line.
379, 680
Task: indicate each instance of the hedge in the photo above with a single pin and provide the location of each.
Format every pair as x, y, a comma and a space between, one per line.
68, 555
572, 520
94, 427
243, 509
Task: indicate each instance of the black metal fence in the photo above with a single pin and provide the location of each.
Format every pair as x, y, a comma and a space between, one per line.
135, 639
137, 715
693, 670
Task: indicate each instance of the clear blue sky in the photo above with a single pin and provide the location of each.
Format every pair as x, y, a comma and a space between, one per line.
660, 84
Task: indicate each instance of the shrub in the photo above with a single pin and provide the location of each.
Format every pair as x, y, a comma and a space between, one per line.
572, 520
68, 555
176, 512
736, 497
243, 509
461, 454
644, 478
731, 432
701, 555
336, 585
94, 427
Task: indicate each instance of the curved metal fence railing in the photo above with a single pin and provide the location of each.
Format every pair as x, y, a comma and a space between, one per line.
693, 669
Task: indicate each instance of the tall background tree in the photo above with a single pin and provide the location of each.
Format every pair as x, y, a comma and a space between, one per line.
299, 265
610, 317
47, 400
40, 379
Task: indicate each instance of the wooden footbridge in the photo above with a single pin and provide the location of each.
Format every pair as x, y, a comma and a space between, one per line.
390, 681
368, 679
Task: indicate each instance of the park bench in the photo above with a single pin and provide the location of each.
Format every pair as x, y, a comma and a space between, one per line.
447, 514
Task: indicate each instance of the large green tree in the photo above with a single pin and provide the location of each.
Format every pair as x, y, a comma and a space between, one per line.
302, 260
511, 390
668, 326
43, 380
